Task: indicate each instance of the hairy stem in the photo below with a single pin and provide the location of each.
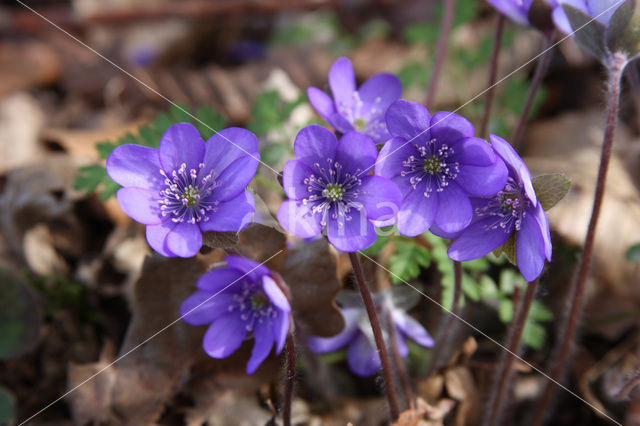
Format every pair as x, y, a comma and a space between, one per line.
289, 379
505, 371
576, 296
398, 363
493, 76
441, 51
541, 70
447, 330
377, 333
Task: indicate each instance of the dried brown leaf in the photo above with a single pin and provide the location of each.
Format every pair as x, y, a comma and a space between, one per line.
310, 272
157, 352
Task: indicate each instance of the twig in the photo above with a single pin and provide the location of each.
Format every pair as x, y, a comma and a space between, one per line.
377, 333
493, 76
505, 372
541, 70
398, 363
289, 380
441, 51
576, 299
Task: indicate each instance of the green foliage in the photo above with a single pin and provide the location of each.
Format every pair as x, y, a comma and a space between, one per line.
415, 74
407, 260
20, 317
269, 115
7, 407
551, 188
534, 334
62, 293
633, 254
94, 177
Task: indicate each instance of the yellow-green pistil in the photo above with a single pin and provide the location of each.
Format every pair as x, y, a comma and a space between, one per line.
359, 124
190, 196
258, 301
333, 192
432, 165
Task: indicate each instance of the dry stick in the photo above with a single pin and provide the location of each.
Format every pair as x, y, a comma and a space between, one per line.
397, 361
441, 51
632, 383
289, 379
514, 337
377, 333
493, 76
447, 323
541, 70
569, 325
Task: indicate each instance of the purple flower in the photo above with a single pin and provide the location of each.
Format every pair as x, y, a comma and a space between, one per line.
360, 109
518, 10
515, 209
602, 10
437, 164
362, 353
328, 187
187, 186
237, 300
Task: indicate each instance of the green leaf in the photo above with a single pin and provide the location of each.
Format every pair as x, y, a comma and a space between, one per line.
633, 254
505, 310
89, 177
589, 33
533, 335
551, 188
7, 407
623, 34
20, 316
109, 190
447, 291
415, 74
540, 313
509, 280
470, 288
480, 264
105, 148
509, 249
376, 248
407, 260
488, 287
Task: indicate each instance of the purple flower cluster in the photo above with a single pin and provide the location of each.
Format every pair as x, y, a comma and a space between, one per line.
329, 188
512, 210
187, 186
362, 354
437, 164
236, 301
361, 109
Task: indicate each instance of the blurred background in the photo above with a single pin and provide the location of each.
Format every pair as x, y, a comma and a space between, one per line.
76, 77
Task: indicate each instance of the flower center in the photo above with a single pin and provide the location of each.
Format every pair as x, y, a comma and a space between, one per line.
258, 301
333, 192
253, 306
365, 118
359, 124
187, 196
190, 196
432, 165
507, 207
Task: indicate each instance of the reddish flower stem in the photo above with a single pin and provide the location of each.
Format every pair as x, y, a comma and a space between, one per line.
398, 363
541, 70
289, 379
493, 76
441, 51
576, 296
377, 333
505, 367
